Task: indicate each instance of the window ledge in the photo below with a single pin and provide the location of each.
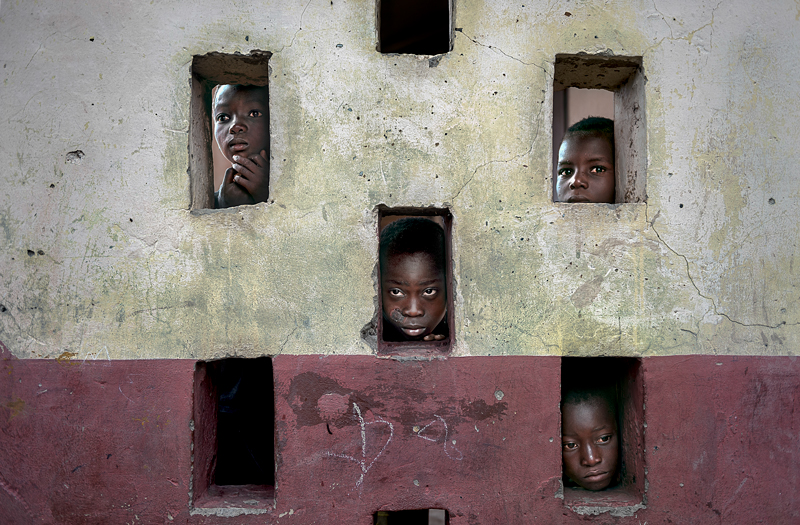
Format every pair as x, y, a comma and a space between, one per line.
619, 501
235, 500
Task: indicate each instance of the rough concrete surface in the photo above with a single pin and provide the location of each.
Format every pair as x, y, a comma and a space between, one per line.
109, 442
101, 257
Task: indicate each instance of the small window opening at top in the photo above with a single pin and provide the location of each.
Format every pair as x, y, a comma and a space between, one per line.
412, 517
229, 148
414, 273
602, 420
599, 141
415, 27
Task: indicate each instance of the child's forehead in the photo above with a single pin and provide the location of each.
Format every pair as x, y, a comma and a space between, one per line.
228, 93
597, 407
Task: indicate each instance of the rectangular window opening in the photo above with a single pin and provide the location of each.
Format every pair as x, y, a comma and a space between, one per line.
415, 281
588, 384
415, 27
607, 87
412, 517
207, 164
234, 443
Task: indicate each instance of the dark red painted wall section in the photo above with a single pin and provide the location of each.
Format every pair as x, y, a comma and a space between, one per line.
94, 442
475, 436
110, 442
723, 439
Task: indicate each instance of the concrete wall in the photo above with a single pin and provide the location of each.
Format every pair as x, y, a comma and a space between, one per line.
121, 266
478, 436
101, 258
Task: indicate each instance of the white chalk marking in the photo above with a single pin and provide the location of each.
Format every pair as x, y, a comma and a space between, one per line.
363, 461
446, 438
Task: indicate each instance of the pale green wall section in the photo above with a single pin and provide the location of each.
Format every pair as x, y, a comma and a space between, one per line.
126, 271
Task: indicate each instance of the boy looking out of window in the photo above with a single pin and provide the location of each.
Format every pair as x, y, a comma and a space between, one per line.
241, 129
586, 162
413, 280
590, 437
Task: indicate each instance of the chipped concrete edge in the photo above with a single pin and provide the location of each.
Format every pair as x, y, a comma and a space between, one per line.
231, 512
617, 512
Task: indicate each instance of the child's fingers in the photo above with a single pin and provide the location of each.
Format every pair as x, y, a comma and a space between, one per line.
232, 176
251, 164
246, 184
252, 174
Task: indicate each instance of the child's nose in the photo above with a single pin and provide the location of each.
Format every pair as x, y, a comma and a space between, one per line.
577, 180
413, 308
237, 126
590, 456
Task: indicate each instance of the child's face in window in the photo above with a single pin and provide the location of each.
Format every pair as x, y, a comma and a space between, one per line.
585, 169
413, 293
590, 445
241, 126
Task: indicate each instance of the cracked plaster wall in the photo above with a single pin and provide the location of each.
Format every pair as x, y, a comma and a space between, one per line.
101, 258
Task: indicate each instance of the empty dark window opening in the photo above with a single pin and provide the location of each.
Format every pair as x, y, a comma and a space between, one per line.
415, 308
208, 72
580, 87
584, 380
234, 450
415, 27
412, 517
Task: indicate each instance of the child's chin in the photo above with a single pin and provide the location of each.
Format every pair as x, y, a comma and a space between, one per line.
600, 485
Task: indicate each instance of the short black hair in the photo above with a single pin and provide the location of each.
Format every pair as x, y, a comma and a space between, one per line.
590, 379
576, 396
593, 126
413, 235
239, 87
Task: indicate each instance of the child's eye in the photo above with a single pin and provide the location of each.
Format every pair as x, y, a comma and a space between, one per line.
429, 292
222, 117
604, 439
255, 113
569, 446
396, 292
598, 169
565, 172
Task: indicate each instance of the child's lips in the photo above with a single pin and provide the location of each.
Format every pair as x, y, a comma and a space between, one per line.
595, 476
238, 146
578, 198
413, 330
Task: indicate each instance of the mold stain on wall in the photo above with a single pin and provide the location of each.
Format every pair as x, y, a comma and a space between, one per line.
126, 267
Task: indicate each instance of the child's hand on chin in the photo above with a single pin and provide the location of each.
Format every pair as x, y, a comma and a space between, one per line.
253, 175
231, 193
433, 337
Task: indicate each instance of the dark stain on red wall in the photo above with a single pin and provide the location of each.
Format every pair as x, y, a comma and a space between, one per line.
110, 442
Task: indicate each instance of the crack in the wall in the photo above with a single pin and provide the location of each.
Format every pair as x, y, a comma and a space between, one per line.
187, 304
697, 288
690, 35
299, 28
664, 17
286, 341
504, 161
495, 48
